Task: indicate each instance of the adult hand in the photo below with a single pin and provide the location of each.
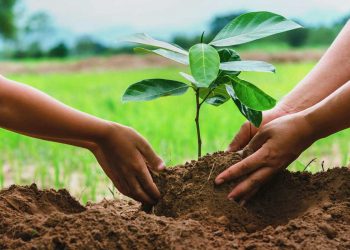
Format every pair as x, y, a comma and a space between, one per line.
248, 131
126, 157
274, 147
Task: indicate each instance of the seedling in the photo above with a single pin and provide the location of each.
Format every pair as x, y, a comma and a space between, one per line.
215, 68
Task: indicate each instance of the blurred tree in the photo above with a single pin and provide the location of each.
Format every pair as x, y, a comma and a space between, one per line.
220, 21
298, 37
86, 45
34, 50
60, 50
186, 41
39, 24
343, 20
322, 36
7, 19
37, 29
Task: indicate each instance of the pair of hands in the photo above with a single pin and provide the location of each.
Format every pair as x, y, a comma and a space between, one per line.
127, 158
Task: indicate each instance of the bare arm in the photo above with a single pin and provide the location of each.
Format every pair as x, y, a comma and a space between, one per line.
330, 73
121, 151
282, 140
26, 110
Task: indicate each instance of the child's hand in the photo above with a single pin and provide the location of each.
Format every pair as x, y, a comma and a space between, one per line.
126, 157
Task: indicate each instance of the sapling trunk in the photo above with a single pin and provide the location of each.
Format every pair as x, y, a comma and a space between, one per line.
199, 139
198, 108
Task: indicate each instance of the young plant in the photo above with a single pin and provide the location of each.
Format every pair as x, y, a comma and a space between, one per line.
215, 68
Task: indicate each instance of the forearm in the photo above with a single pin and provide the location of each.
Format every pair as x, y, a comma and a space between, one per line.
331, 72
28, 111
330, 115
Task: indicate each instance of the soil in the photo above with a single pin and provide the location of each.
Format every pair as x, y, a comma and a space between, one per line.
293, 211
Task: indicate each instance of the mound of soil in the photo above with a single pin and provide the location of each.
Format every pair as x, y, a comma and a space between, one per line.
293, 211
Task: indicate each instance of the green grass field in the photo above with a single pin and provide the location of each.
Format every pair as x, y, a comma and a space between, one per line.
168, 124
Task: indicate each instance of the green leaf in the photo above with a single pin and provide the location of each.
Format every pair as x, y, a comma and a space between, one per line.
216, 96
188, 78
204, 64
255, 117
147, 40
228, 55
257, 66
153, 88
220, 80
252, 26
251, 96
177, 57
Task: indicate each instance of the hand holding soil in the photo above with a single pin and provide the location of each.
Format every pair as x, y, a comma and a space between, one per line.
122, 152
125, 157
307, 111
275, 146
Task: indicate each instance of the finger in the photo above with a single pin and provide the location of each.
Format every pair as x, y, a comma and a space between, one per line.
154, 161
258, 140
248, 196
121, 185
246, 166
117, 182
241, 139
252, 182
138, 193
148, 185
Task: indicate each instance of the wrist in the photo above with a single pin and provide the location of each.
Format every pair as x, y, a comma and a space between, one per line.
285, 108
276, 112
101, 135
310, 131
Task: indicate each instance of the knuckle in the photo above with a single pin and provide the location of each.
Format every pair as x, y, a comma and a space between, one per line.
246, 124
229, 173
136, 167
137, 193
244, 167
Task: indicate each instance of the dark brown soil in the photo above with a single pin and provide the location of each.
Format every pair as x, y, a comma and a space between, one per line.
294, 211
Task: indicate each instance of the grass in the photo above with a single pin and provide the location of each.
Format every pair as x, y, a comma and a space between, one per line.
168, 124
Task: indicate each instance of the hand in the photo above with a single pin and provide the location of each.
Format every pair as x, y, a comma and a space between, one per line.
248, 131
126, 157
274, 147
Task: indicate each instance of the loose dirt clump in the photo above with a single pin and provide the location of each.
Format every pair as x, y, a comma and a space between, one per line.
293, 211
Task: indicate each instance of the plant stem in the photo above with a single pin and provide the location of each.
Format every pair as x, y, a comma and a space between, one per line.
199, 140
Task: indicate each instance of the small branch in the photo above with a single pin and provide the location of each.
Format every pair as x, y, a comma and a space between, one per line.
314, 159
206, 97
202, 37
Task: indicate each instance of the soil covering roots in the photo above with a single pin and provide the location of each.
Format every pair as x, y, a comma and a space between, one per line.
293, 211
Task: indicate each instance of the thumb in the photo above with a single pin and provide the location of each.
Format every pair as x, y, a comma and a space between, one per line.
242, 138
154, 161
258, 140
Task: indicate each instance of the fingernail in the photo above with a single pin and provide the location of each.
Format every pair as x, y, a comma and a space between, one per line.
219, 181
161, 166
232, 198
